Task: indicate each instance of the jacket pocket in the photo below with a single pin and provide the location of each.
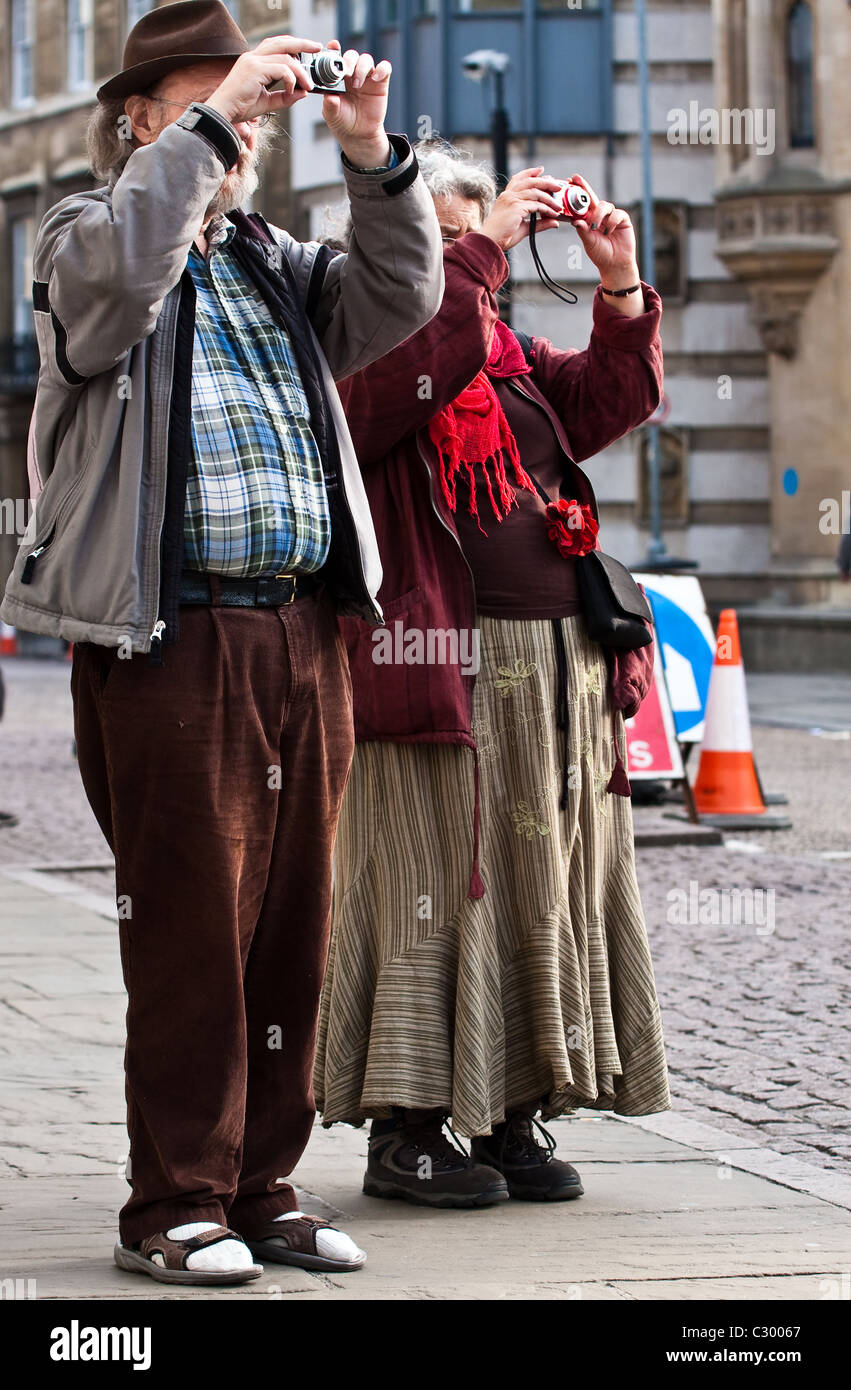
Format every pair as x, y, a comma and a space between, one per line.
30, 563
394, 606
45, 538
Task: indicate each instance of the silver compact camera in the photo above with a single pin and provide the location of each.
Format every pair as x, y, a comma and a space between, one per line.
326, 68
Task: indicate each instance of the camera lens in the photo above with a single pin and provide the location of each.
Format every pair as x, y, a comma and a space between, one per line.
576, 199
328, 68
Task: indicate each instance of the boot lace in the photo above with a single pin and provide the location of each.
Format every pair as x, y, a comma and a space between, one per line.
430, 1139
519, 1138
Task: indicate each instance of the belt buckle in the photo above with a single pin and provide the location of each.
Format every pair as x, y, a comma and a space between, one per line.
291, 598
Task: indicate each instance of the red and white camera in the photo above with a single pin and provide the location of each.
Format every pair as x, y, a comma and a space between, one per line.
575, 200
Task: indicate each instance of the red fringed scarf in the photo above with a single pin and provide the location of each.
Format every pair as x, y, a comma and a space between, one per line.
474, 432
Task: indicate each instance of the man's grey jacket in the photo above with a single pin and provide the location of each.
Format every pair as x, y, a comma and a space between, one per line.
110, 436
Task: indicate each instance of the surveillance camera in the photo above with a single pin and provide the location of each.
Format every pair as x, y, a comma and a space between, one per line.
484, 61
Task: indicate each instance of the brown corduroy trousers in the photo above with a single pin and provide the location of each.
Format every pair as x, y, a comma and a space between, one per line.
217, 781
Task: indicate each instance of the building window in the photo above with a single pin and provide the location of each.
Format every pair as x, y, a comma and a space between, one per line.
673, 476
470, 6
357, 16
23, 34
80, 35
135, 10
799, 75
22, 240
737, 58
670, 233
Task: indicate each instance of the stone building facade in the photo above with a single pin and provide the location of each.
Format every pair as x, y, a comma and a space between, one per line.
784, 233
752, 244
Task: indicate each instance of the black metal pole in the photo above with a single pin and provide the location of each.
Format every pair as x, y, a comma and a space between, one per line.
500, 130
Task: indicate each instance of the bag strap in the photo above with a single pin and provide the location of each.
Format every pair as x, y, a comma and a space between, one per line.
526, 343
544, 496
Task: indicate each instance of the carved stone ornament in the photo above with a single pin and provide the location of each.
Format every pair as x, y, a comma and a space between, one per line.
777, 314
777, 244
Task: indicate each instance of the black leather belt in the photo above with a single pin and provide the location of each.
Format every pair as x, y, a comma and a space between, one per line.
273, 592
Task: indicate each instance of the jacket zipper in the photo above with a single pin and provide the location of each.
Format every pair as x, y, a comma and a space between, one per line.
443, 523
475, 888
30, 562
155, 657
28, 570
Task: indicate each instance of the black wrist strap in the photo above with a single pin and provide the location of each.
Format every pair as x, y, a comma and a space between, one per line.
560, 291
620, 294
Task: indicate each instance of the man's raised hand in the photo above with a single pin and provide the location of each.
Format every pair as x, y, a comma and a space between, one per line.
355, 117
244, 93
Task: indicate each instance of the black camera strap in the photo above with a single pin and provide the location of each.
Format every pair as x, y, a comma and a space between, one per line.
560, 291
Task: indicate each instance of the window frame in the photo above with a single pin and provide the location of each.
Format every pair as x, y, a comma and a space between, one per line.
680, 439
21, 275
793, 69
130, 18
80, 82
26, 9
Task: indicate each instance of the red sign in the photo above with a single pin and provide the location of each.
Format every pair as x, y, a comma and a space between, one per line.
651, 744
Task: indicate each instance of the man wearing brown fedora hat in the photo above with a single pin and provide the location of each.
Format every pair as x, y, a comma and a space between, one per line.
200, 521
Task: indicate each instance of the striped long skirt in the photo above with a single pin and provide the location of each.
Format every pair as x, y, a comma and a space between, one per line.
539, 992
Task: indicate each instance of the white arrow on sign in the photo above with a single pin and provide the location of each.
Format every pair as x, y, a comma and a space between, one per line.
681, 682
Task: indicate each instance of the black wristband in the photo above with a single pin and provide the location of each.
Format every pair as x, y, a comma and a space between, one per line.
620, 294
215, 129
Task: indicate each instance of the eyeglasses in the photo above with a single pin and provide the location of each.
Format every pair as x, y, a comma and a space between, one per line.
260, 120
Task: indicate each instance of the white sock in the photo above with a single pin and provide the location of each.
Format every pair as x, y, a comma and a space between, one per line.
227, 1254
332, 1244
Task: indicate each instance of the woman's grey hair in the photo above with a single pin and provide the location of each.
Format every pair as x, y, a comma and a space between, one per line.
449, 172
446, 171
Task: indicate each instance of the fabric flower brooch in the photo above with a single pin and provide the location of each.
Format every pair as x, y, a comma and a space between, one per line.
572, 528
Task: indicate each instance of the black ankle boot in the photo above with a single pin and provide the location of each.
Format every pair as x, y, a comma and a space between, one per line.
411, 1159
529, 1168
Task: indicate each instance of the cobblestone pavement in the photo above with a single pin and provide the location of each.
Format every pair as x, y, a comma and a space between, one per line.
757, 1017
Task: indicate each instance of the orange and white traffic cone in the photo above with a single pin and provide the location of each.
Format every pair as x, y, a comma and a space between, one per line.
727, 790
8, 640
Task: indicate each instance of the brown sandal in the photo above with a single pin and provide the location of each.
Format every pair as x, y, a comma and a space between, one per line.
294, 1243
175, 1253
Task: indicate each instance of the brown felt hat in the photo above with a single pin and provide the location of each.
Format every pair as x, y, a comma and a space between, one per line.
174, 36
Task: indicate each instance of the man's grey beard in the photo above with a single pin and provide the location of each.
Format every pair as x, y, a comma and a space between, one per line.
237, 188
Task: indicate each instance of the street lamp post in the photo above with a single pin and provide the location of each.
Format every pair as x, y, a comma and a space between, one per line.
488, 62
656, 549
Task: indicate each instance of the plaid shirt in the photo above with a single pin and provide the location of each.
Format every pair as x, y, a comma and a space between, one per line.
255, 498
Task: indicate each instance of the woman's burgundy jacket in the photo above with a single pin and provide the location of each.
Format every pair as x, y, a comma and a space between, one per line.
591, 397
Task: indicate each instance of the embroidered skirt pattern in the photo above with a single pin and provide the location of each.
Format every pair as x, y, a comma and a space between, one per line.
543, 989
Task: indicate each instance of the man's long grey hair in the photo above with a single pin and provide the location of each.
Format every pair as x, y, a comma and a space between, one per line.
109, 142
446, 170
